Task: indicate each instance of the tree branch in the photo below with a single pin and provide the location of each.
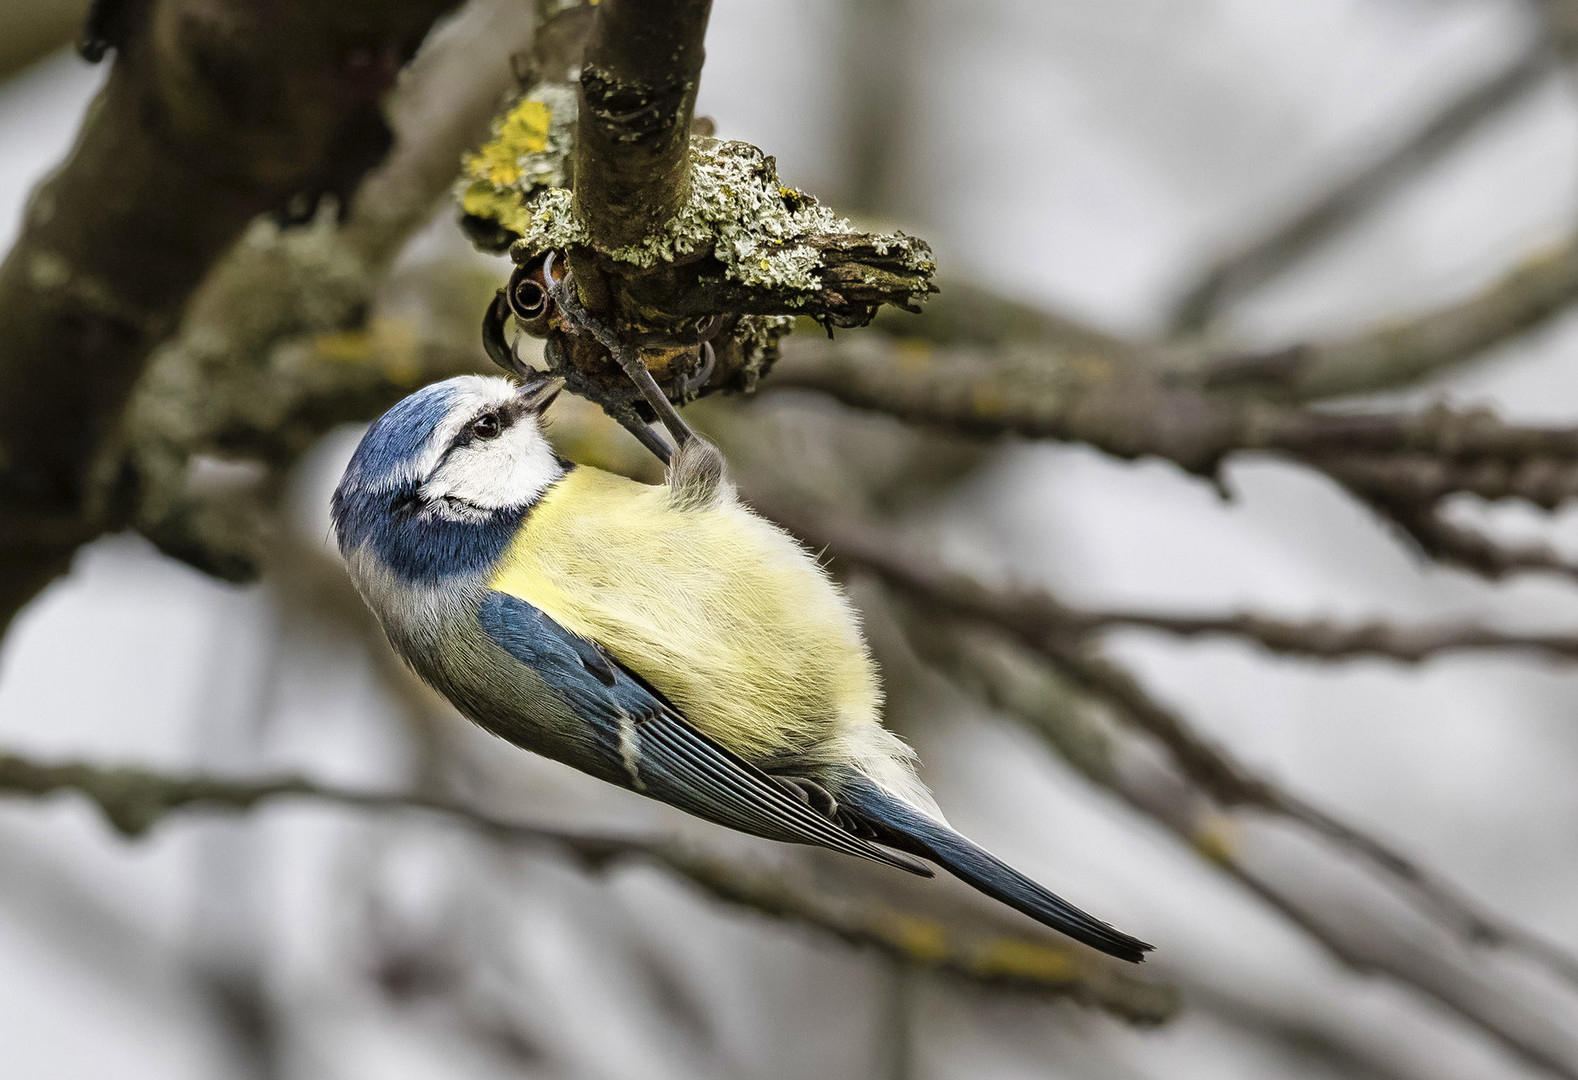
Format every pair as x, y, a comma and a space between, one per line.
1286, 243
1404, 465
277, 347
1304, 640
213, 114
1403, 351
134, 800
639, 79
1208, 766
673, 241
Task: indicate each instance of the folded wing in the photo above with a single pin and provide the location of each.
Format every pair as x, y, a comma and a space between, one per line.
649, 741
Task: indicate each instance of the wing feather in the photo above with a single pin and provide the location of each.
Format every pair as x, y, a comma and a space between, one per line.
669, 760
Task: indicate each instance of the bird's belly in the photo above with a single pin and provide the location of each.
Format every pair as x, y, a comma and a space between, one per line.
719, 611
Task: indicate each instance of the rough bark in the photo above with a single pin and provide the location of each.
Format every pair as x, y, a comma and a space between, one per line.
216, 111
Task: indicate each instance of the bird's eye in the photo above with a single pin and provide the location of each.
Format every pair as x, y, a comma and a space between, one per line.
486, 426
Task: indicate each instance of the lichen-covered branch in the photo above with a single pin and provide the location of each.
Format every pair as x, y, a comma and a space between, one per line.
214, 113
135, 800
689, 247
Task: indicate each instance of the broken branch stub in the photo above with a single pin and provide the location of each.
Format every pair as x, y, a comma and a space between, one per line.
730, 260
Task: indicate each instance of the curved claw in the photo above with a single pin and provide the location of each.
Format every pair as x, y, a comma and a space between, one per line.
494, 341
709, 361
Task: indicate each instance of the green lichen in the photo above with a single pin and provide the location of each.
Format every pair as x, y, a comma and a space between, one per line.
759, 336
755, 226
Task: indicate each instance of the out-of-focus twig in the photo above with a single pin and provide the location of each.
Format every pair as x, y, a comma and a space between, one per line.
1039, 612
1404, 465
32, 30
1401, 351
134, 800
1268, 255
1229, 782
1354, 909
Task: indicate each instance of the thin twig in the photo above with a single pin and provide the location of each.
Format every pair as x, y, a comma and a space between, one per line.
1283, 245
1209, 766
134, 800
1402, 464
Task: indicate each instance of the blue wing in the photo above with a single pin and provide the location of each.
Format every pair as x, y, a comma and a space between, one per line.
651, 743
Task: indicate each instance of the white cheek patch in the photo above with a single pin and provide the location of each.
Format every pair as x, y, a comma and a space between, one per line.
471, 393
496, 474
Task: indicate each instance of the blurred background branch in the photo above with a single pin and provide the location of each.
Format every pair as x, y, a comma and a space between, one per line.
302, 287
135, 800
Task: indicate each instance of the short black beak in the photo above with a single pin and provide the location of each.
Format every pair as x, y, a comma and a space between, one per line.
537, 392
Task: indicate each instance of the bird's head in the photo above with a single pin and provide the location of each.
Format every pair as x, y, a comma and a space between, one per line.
441, 481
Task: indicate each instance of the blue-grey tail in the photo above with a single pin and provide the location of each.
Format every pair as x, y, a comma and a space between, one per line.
900, 825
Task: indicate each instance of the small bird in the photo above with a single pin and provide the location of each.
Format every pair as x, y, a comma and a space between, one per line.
662, 638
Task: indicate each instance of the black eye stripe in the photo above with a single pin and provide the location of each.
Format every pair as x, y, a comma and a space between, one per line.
476, 430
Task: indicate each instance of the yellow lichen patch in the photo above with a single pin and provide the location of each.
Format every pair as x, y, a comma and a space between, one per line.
921, 939
389, 343
1008, 959
1216, 839
914, 355
343, 347
483, 200
987, 402
524, 130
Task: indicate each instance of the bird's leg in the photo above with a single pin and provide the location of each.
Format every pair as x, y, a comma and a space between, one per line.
648, 438
622, 412
627, 356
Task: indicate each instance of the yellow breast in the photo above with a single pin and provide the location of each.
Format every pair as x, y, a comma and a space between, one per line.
720, 610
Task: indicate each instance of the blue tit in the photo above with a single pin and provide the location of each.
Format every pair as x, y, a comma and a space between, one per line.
662, 638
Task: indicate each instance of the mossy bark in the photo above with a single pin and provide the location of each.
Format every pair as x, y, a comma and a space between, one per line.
216, 111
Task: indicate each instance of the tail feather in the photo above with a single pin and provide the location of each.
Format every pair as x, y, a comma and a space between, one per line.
907, 829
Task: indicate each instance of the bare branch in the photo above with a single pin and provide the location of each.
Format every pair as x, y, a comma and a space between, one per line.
1207, 765
134, 800
1352, 909
1320, 639
1402, 351
250, 107
1404, 465
1286, 243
